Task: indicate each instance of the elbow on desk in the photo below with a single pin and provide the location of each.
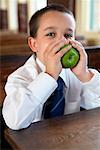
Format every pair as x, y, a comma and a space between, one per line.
13, 125
12, 122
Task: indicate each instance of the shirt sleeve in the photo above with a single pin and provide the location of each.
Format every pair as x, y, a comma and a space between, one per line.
23, 104
91, 92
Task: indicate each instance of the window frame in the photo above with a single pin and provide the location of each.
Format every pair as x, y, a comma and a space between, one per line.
81, 18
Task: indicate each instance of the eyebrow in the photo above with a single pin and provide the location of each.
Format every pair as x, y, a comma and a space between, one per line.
69, 29
50, 28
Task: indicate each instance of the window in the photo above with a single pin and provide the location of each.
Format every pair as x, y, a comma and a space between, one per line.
94, 18
88, 18
34, 5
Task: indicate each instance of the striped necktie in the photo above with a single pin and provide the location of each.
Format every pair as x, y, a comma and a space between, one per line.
54, 106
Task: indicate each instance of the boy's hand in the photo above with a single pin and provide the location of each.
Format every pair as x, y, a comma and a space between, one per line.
52, 58
81, 69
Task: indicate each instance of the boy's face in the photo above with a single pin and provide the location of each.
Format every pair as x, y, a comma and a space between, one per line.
53, 26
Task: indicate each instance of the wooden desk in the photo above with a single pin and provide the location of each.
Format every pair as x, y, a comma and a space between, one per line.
79, 131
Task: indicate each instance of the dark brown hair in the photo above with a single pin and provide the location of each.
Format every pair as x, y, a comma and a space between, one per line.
34, 21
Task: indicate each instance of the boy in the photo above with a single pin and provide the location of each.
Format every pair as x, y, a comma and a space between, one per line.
29, 87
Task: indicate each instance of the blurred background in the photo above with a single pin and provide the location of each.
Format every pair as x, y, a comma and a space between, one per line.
15, 15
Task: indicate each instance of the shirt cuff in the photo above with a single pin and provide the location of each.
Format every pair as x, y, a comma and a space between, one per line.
42, 87
94, 82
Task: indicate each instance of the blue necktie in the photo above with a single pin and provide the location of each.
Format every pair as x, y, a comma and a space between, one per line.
54, 106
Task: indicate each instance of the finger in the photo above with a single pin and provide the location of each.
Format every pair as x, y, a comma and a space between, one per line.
54, 47
63, 51
78, 46
75, 43
57, 48
81, 50
51, 46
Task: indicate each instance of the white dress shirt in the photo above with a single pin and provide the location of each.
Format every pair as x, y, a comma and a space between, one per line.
29, 87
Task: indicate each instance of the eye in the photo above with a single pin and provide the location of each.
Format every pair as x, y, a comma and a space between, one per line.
51, 34
68, 36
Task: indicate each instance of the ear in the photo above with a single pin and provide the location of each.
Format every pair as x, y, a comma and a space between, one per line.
32, 44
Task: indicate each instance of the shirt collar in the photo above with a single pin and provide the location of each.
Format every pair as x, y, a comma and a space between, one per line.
63, 74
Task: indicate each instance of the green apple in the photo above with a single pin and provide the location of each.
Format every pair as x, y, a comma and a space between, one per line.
70, 58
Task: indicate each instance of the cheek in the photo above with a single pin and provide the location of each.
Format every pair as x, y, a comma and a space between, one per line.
42, 46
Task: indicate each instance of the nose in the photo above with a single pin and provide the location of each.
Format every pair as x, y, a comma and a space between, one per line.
62, 37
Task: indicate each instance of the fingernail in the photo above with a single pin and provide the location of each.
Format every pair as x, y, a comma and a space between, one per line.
69, 46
